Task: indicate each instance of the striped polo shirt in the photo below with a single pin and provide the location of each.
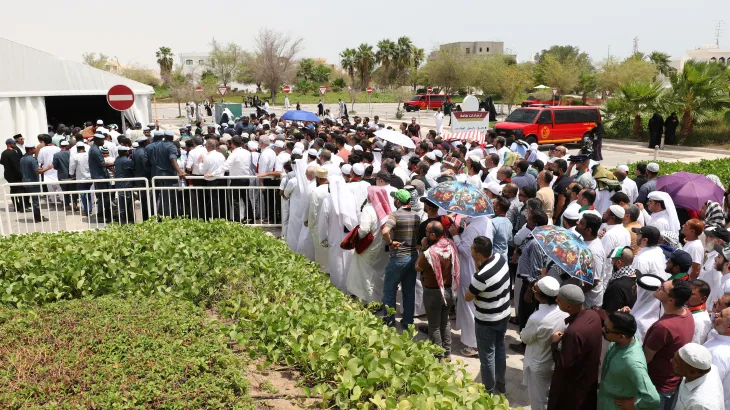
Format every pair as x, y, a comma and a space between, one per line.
491, 287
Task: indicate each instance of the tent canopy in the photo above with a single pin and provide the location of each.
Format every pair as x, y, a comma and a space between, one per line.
28, 72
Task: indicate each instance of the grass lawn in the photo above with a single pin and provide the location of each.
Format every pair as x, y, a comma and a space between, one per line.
114, 352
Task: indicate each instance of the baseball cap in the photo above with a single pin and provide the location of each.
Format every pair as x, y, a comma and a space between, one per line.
681, 258
724, 251
10, 141
401, 195
719, 233
616, 253
648, 232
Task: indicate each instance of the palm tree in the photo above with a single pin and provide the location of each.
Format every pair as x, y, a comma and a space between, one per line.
347, 61
701, 88
637, 98
386, 56
661, 61
164, 59
404, 56
419, 55
364, 62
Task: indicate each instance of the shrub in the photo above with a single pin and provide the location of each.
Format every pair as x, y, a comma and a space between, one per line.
279, 304
719, 167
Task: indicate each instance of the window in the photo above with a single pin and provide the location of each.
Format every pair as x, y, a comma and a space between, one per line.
713, 59
480, 49
468, 50
564, 116
201, 62
523, 116
188, 62
722, 60
575, 116
437, 97
487, 49
545, 117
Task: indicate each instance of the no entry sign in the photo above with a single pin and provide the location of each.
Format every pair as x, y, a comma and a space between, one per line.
287, 89
120, 97
199, 89
429, 89
369, 90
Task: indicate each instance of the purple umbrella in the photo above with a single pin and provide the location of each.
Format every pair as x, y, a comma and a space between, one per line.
690, 191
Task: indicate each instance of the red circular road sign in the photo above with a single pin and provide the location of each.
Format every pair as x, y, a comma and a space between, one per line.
287, 89
369, 90
120, 97
199, 89
429, 89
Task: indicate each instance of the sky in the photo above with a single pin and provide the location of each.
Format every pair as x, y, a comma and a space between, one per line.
134, 29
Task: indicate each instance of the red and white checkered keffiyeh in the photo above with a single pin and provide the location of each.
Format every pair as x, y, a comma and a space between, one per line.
445, 248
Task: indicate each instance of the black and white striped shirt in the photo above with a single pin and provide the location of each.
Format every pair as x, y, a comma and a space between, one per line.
491, 286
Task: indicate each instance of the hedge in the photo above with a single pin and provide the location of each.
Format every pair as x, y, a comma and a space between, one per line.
719, 167
278, 304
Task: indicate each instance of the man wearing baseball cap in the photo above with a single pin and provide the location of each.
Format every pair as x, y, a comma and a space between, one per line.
400, 233
678, 265
714, 236
722, 264
701, 386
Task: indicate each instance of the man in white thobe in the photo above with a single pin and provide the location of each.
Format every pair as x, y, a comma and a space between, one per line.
616, 235
287, 105
650, 260
439, 118
537, 365
663, 214
628, 186
358, 187
320, 193
336, 215
45, 163
477, 226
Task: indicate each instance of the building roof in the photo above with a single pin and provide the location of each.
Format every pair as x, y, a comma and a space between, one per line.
29, 72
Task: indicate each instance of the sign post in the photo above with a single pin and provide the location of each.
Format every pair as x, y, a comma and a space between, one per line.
429, 90
555, 92
369, 91
222, 90
322, 91
121, 98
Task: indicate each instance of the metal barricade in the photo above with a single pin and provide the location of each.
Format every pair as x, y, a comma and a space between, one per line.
55, 206
248, 199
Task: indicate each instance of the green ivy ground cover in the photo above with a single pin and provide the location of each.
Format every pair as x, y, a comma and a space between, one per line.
719, 167
278, 304
110, 352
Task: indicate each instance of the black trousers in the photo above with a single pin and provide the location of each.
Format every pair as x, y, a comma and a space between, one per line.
215, 200
273, 201
526, 309
20, 202
35, 200
103, 202
238, 197
597, 147
125, 208
197, 198
69, 199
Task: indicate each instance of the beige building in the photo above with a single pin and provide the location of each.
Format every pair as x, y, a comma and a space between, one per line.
708, 53
483, 48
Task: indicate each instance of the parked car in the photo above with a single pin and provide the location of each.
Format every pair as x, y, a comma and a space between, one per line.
550, 125
421, 101
529, 101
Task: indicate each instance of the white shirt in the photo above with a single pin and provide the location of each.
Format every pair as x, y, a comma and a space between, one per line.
267, 160
703, 325
402, 174
616, 235
696, 250
713, 277
492, 175
434, 171
112, 147
439, 117
703, 393
213, 161
281, 159
541, 325
594, 297
194, 158
647, 308
388, 189
79, 164
719, 346
629, 187
659, 220
237, 164
45, 158
75, 150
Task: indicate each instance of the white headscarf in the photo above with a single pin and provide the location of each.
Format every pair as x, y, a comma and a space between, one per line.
674, 225
305, 187
342, 201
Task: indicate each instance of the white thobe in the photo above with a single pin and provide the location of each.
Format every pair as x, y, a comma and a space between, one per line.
439, 118
402, 173
474, 181
703, 325
330, 229
315, 203
294, 225
603, 200
594, 297
305, 245
647, 309
719, 346
659, 220
538, 361
703, 393
492, 175
629, 187
367, 269
359, 191
712, 276
480, 226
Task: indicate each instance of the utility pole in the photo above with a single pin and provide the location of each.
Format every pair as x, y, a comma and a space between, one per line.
636, 45
718, 31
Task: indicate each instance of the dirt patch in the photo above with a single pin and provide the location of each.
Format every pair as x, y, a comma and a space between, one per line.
275, 388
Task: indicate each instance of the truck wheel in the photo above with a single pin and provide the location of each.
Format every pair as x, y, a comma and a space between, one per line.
531, 139
408, 109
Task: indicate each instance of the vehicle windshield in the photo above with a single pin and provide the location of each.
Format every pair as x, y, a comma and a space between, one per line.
416, 98
523, 116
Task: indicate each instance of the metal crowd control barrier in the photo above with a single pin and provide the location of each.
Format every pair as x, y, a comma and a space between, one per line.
252, 200
55, 206
63, 205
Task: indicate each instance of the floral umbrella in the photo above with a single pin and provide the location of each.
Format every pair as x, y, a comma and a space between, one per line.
461, 198
568, 251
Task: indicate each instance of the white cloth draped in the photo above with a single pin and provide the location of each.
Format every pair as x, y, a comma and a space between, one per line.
647, 308
367, 269
336, 213
317, 197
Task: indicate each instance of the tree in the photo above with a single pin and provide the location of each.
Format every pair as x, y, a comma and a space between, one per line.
561, 75
612, 73
587, 84
347, 61
99, 62
164, 60
140, 74
417, 76
364, 63
498, 75
312, 71
180, 89
662, 63
226, 61
404, 58
354, 93
450, 69
338, 84
568, 56
273, 61
386, 56
637, 98
698, 90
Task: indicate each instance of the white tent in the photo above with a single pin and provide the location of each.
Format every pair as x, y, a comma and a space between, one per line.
29, 75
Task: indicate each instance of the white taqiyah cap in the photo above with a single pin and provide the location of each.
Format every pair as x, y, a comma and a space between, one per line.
279, 144
572, 212
624, 168
252, 145
533, 147
493, 187
99, 122
696, 356
431, 156
64, 143
80, 144
592, 211
296, 151
358, 169
438, 153
652, 167
313, 152
346, 169
141, 139
299, 145
549, 286
244, 135
357, 148
617, 210
135, 145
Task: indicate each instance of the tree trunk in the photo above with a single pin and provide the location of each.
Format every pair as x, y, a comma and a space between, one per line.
584, 98
258, 88
179, 109
637, 125
686, 127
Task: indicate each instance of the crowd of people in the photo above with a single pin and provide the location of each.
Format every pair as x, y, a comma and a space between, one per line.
651, 331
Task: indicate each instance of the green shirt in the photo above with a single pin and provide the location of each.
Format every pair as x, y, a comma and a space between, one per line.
624, 374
